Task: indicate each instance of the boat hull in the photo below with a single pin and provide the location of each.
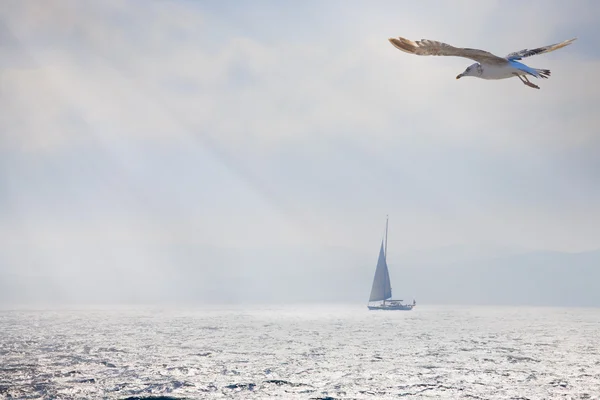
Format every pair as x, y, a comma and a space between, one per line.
392, 307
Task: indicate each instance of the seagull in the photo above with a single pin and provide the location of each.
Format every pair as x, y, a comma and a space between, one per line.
488, 65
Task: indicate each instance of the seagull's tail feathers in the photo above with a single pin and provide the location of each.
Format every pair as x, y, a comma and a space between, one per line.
407, 46
543, 73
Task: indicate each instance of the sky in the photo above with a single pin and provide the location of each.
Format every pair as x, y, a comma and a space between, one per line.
236, 138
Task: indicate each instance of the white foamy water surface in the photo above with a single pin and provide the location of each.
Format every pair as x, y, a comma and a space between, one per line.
301, 352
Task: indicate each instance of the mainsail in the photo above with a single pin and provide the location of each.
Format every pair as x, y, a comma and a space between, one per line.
381, 290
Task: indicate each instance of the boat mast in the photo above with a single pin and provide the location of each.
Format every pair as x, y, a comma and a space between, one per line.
385, 249
386, 233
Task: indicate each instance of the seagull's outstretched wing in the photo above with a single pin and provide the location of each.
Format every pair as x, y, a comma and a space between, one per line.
426, 47
517, 55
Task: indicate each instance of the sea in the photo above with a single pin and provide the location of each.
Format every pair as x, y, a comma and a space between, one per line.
300, 352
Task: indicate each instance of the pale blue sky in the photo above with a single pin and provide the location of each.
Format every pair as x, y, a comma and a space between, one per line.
134, 128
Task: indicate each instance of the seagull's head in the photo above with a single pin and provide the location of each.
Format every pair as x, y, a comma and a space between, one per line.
470, 71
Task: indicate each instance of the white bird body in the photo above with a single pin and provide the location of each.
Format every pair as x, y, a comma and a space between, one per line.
495, 71
488, 65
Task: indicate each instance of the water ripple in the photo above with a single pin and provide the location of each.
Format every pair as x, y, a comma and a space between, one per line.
300, 353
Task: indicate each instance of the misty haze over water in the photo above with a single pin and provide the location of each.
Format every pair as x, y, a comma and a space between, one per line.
334, 275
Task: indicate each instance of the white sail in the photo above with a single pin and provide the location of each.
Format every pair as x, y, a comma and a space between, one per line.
382, 289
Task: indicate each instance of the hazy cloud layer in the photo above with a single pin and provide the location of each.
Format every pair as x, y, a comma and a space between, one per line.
129, 132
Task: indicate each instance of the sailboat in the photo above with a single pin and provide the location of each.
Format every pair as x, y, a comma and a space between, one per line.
381, 291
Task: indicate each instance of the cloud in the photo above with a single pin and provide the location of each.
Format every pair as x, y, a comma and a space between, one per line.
148, 72
192, 123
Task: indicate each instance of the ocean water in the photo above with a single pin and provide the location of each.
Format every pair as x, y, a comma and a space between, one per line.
301, 352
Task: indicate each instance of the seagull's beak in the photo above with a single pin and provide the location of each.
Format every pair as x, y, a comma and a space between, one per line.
459, 76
